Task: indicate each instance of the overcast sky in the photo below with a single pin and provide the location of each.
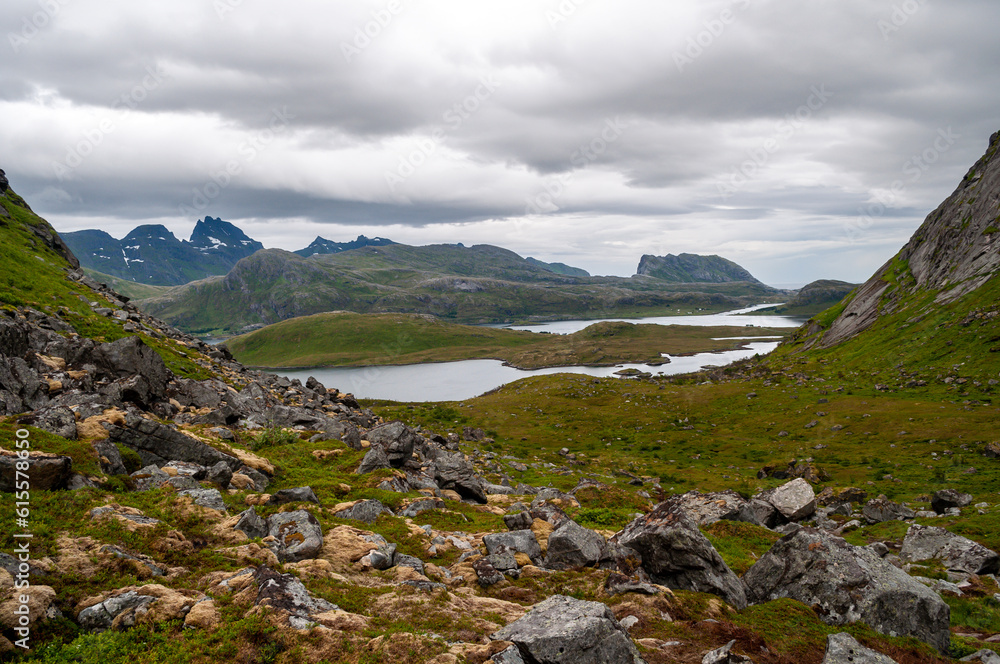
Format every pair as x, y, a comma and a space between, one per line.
583, 131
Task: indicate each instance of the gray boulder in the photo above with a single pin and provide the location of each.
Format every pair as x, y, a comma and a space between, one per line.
251, 524
954, 551
677, 555
846, 584
946, 499
300, 494
299, 535
707, 508
383, 557
366, 510
509, 656
100, 616
882, 509
756, 511
48, 472
724, 655
452, 471
414, 563
210, 498
149, 478
396, 439
486, 574
571, 545
58, 420
157, 444
522, 541
985, 656
795, 500
109, 458
131, 357
220, 475
284, 592
375, 459
424, 505
563, 630
520, 521
844, 649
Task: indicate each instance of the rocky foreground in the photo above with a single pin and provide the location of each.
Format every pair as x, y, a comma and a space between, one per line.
291, 555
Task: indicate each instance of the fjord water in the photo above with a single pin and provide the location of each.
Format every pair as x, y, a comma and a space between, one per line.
456, 381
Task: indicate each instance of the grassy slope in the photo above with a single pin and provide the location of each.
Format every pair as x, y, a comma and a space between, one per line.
132, 289
348, 339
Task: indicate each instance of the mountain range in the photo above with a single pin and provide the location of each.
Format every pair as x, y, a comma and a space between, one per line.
693, 268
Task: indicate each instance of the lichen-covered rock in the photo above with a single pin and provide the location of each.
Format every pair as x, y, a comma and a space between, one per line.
846, 584
954, 551
396, 439
364, 510
523, 541
298, 534
794, 500
844, 649
882, 509
284, 592
563, 630
571, 545
676, 554
251, 524
707, 508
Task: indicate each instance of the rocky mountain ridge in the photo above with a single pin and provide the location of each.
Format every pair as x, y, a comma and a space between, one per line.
693, 268
323, 246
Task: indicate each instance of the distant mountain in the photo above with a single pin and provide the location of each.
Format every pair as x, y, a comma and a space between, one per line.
692, 268
814, 298
323, 246
479, 284
559, 268
151, 254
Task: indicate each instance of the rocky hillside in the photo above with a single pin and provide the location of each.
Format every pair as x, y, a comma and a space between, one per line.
692, 268
559, 268
814, 298
480, 284
152, 255
323, 246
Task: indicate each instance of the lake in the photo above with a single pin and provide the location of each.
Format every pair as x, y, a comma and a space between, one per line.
457, 381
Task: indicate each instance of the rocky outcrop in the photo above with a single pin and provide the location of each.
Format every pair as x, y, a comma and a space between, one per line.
286, 594
453, 471
46, 472
878, 510
158, 443
947, 499
677, 555
298, 535
571, 545
396, 439
563, 630
953, 551
794, 500
707, 508
846, 584
844, 649
523, 541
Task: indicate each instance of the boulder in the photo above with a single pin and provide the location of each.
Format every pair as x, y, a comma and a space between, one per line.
522, 541
452, 471
509, 656
486, 574
845, 584
284, 592
794, 500
984, 655
300, 494
707, 508
100, 616
365, 510
130, 357
676, 554
109, 458
396, 439
563, 630
424, 505
954, 551
58, 420
46, 472
299, 535
375, 459
519, 521
251, 524
571, 545
946, 499
149, 477
844, 649
209, 498
220, 475
158, 443
882, 509
383, 557
756, 511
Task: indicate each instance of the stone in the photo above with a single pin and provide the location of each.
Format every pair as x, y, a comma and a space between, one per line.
375, 459
571, 545
946, 499
58, 420
563, 630
131, 357
509, 656
984, 655
707, 508
396, 439
486, 574
210, 498
158, 443
418, 506
676, 554
724, 655
48, 472
149, 478
522, 541
220, 475
365, 510
845, 584
298, 534
503, 559
284, 592
100, 616
844, 649
412, 562
954, 551
756, 511
519, 521
383, 557
882, 509
251, 524
452, 471
794, 500
300, 494
109, 458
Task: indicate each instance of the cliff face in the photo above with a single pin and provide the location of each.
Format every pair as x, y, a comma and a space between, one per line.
954, 252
